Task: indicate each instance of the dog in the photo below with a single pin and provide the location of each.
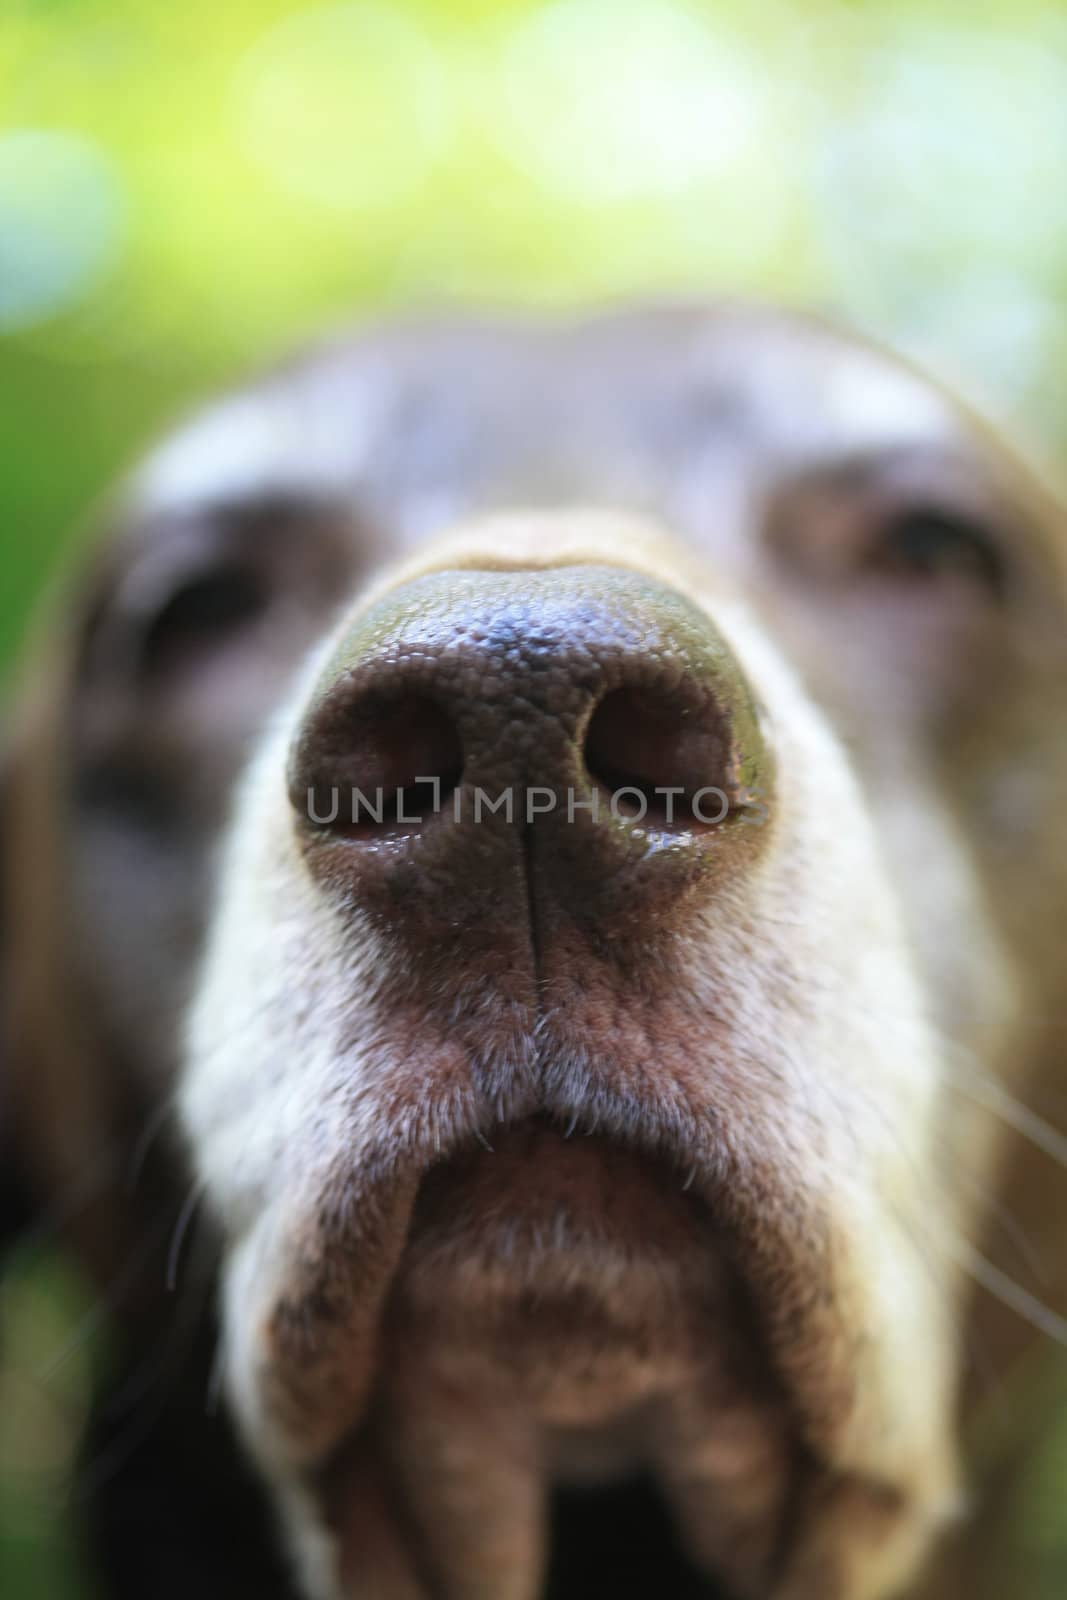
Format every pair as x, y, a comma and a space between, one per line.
534, 918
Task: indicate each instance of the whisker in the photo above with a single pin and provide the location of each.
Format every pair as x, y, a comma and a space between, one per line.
1011, 1294
149, 1390
74, 1199
1010, 1228
984, 1091
216, 1377
181, 1228
146, 1139
97, 1314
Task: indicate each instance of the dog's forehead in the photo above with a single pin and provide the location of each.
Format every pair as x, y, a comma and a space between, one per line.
428, 418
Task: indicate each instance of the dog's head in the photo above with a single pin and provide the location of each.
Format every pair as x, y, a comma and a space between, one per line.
618, 769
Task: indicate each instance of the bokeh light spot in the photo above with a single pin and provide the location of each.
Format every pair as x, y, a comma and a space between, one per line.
904, 170
345, 105
613, 101
61, 223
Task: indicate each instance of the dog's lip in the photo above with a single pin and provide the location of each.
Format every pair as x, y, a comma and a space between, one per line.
390, 1185
538, 1160
549, 1226
341, 1444
332, 1328
665, 1185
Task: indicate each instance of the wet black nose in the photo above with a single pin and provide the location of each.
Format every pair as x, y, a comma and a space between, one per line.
585, 719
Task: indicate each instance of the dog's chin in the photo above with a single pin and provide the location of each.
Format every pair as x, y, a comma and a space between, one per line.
565, 1313
572, 1277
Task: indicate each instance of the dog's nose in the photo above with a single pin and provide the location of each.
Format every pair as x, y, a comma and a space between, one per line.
594, 719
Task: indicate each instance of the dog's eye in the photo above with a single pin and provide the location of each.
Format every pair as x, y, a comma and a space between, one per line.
204, 613
928, 542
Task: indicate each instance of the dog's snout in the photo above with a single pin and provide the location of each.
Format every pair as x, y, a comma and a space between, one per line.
592, 706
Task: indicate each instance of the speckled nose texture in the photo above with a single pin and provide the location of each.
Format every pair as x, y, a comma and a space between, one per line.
488, 752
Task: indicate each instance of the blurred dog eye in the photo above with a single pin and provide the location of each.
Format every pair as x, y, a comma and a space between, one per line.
205, 613
928, 543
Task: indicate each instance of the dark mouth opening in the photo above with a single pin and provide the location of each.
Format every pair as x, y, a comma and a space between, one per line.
619, 1540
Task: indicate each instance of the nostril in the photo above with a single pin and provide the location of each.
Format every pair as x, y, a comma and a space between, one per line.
672, 750
385, 765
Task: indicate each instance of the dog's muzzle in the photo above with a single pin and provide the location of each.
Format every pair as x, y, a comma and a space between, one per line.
533, 1135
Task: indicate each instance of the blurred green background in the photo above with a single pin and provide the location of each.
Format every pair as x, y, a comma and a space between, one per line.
185, 188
